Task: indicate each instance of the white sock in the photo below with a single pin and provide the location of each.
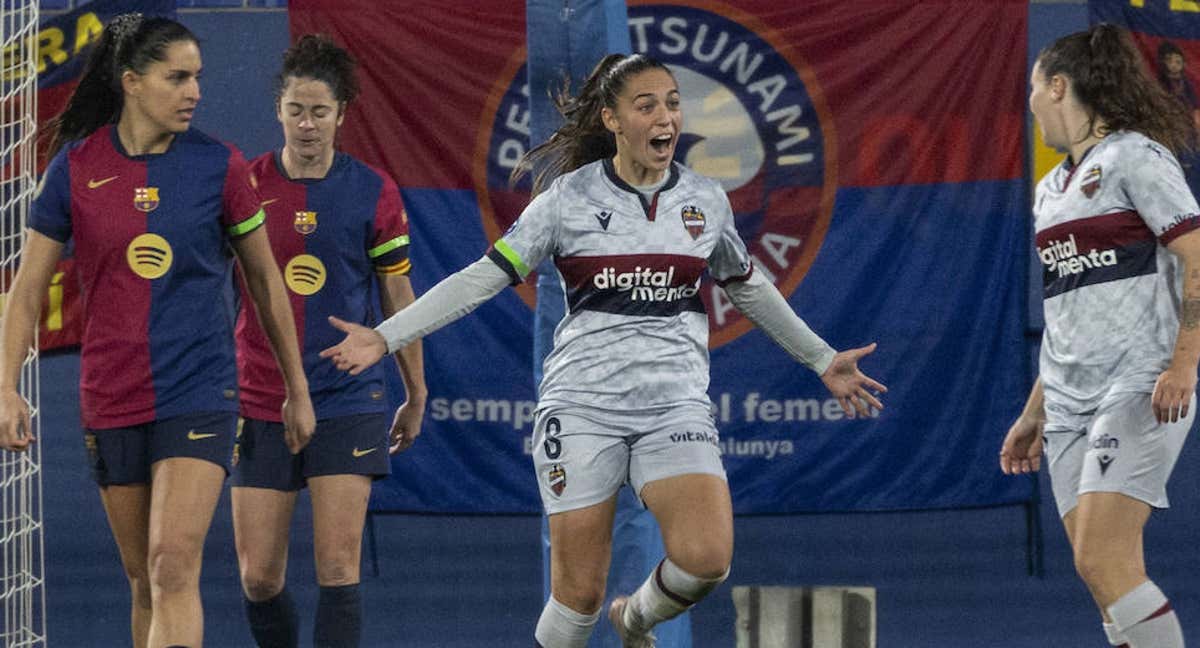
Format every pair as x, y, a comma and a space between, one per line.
666, 594
1145, 617
561, 627
1115, 637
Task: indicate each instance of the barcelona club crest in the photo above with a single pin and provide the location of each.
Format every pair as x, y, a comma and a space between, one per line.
1090, 182
306, 222
557, 478
693, 220
145, 198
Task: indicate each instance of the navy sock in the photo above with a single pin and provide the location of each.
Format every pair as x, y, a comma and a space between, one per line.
339, 617
274, 622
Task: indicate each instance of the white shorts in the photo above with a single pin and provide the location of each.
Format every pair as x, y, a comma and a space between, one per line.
583, 456
1122, 450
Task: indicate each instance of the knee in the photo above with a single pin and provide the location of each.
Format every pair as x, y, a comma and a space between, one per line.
704, 559
584, 595
336, 574
261, 584
338, 563
1100, 569
174, 567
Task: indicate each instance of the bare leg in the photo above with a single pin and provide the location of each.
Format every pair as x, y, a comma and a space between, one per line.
128, 510
183, 497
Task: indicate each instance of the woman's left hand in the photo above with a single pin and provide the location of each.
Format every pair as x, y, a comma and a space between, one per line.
299, 422
406, 426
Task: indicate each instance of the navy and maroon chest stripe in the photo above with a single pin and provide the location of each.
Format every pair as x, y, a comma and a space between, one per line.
1095, 250
656, 285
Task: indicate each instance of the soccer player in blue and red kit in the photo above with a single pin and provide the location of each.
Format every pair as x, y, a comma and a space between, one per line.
336, 225
152, 206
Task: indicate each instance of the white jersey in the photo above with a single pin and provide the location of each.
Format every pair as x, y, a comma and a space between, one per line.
1111, 288
635, 336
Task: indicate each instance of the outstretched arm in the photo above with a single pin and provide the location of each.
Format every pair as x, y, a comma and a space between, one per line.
761, 303
455, 296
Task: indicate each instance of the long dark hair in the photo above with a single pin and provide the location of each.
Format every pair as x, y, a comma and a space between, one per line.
316, 56
1110, 79
128, 42
583, 138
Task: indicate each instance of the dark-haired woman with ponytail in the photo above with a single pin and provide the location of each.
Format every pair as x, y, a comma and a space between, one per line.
152, 206
1116, 393
336, 226
623, 398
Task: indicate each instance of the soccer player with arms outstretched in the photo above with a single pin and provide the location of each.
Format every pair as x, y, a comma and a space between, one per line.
623, 399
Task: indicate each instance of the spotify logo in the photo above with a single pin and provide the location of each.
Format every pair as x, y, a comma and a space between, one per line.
304, 274
149, 256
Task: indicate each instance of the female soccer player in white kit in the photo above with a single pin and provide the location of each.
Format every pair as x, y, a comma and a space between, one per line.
624, 397
1115, 397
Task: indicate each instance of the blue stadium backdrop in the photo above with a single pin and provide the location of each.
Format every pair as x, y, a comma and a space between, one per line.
889, 208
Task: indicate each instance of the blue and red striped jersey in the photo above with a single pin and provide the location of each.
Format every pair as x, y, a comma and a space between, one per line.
330, 236
150, 235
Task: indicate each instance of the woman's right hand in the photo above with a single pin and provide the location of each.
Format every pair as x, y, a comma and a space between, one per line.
1022, 449
16, 428
362, 347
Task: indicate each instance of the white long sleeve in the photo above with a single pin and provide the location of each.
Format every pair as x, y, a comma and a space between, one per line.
453, 297
761, 303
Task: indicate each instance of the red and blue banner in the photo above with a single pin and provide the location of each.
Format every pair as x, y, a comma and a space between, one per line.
874, 159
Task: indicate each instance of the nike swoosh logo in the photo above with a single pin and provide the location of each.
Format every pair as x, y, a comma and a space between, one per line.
92, 184
268, 202
194, 436
362, 453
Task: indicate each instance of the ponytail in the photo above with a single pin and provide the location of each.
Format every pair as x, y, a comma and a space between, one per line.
128, 42
1110, 79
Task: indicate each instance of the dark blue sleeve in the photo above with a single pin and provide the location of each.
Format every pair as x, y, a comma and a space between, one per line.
51, 212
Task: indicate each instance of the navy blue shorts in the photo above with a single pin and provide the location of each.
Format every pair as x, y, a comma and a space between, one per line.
346, 445
124, 455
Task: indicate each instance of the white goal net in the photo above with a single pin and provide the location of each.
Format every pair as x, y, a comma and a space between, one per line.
22, 588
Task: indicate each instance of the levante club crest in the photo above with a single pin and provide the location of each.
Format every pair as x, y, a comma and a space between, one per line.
557, 479
754, 119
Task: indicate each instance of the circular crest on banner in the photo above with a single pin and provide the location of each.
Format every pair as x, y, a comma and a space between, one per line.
754, 119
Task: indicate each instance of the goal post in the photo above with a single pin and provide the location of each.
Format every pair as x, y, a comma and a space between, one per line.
22, 549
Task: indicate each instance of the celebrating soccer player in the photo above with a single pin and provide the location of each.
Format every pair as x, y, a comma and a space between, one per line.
624, 393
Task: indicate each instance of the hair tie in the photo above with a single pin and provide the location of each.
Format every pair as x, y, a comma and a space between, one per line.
125, 25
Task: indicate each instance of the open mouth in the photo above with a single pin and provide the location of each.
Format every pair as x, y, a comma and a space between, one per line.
662, 143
